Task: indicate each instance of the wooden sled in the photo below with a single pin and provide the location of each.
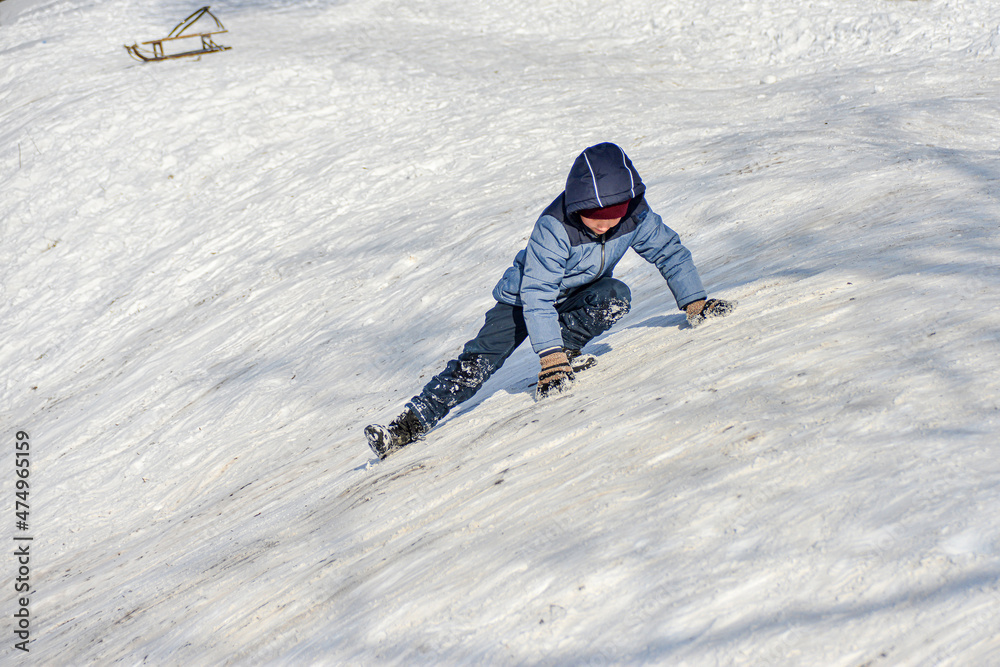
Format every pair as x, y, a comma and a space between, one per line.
208, 45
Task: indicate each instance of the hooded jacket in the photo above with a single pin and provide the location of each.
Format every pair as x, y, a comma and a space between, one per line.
563, 255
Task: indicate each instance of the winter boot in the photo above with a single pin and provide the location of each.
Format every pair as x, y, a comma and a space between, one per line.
580, 361
401, 431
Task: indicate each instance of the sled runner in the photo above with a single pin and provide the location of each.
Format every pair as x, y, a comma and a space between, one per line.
208, 45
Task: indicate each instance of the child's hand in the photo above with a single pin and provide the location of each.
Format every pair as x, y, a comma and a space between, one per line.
699, 311
556, 375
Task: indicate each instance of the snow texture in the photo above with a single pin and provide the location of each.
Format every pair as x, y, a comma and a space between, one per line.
216, 272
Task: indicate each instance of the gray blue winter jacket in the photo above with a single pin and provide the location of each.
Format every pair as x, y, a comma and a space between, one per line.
563, 255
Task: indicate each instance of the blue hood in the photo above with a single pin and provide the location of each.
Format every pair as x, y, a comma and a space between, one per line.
601, 176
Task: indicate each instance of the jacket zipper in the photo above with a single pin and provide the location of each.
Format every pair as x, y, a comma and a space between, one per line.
601, 270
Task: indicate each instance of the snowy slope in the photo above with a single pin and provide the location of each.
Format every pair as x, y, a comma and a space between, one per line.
215, 273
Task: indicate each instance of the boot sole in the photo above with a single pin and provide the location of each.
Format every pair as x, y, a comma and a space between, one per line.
377, 435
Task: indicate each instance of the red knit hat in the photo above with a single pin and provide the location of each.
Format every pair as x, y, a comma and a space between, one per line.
608, 212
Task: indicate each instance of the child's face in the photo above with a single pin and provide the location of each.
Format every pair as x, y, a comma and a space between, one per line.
599, 227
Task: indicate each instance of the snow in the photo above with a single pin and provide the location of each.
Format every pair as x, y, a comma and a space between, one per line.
216, 272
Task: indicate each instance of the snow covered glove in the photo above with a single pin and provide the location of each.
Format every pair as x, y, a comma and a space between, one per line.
712, 308
556, 375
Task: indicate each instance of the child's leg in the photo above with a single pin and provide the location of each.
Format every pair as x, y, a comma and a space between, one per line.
592, 310
503, 331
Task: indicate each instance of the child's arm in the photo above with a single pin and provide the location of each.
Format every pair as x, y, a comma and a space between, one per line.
661, 246
544, 267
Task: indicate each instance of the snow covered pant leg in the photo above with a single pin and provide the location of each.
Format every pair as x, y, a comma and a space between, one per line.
502, 333
592, 310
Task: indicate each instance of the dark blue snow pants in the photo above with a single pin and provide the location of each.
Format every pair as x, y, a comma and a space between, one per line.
584, 314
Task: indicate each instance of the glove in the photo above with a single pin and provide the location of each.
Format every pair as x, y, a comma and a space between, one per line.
711, 308
556, 375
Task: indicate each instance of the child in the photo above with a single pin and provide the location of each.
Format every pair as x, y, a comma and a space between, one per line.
559, 292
